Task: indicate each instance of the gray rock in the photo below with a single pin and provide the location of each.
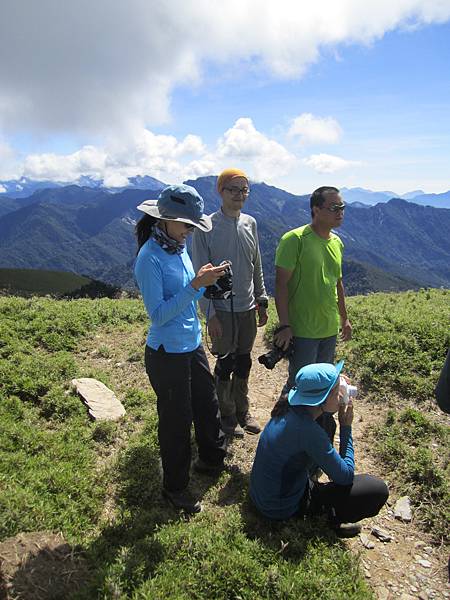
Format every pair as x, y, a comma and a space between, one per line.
381, 534
402, 509
366, 542
424, 563
102, 403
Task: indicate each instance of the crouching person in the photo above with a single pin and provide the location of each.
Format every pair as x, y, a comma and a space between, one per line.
292, 445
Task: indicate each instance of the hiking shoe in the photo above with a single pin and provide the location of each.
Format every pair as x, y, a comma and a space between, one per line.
183, 500
200, 466
347, 530
249, 423
231, 427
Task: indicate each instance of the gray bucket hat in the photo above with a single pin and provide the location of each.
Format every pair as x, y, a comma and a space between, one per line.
178, 203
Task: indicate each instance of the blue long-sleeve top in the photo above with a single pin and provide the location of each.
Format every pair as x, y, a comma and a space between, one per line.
165, 283
288, 447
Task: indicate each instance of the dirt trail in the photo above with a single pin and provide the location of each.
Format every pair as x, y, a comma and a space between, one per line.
392, 568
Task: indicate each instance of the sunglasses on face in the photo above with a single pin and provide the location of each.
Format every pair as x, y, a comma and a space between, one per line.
334, 208
189, 227
235, 191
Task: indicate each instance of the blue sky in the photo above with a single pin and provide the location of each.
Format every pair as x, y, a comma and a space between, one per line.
349, 97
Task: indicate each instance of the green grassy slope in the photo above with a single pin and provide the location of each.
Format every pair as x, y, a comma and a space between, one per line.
41, 281
399, 346
99, 484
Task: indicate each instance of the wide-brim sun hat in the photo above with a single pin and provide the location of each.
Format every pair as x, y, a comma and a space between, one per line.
313, 383
178, 203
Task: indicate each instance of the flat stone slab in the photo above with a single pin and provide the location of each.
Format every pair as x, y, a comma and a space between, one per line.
381, 534
102, 403
402, 509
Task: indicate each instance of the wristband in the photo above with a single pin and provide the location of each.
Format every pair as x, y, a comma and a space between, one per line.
281, 327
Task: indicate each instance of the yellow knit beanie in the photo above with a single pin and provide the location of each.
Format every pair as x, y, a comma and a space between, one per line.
228, 174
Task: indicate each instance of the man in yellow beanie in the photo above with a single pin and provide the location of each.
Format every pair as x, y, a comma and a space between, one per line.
234, 237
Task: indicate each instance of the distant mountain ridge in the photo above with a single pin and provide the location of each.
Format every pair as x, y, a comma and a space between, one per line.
25, 187
363, 196
395, 244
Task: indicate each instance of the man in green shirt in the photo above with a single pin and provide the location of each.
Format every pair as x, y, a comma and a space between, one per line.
309, 293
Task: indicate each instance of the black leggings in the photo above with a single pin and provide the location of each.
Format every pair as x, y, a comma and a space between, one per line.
185, 393
346, 503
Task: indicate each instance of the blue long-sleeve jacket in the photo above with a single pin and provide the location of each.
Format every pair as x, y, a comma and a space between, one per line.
165, 283
288, 447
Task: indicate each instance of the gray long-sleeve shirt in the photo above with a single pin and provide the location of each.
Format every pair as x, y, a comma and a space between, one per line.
234, 239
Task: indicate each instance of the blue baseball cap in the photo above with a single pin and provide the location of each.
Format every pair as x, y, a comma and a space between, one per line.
178, 203
313, 383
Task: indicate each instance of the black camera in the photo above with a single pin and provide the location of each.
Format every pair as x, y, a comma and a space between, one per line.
275, 354
223, 288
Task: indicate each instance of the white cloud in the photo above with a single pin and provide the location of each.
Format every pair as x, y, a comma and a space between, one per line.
327, 163
315, 130
166, 158
102, 66
89, 161
244, 143
142, 153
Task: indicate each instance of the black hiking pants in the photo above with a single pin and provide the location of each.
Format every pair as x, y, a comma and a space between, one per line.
346, 503
185, 393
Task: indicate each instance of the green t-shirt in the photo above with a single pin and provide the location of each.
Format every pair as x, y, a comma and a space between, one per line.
317, 266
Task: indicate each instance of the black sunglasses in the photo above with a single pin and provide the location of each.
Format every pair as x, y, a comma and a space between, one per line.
336, 208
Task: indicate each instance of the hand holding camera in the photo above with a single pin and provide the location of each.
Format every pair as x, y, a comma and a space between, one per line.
271, 358
282, 336
346, 391
208, 275
345, 414
222, 287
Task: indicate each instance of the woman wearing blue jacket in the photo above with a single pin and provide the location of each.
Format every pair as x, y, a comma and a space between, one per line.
175, 361
292, 445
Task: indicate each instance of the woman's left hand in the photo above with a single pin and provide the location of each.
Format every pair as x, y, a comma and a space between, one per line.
345, 414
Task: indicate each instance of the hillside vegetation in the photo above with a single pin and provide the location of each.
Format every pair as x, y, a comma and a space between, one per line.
99, 483
399, 346
37, 282
40, 282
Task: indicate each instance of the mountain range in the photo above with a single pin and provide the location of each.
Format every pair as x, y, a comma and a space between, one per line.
367, 197
89, 230
25, 187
